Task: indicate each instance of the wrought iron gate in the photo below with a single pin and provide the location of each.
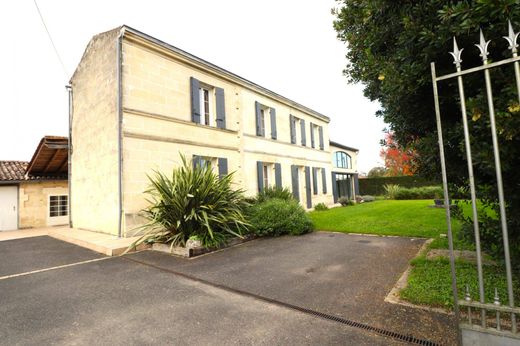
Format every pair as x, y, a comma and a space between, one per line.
474, 316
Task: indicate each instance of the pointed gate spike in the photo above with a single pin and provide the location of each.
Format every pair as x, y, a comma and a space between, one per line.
512, 38
483, 47
456, 53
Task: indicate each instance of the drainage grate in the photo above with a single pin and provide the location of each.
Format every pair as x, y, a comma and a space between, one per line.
402, 337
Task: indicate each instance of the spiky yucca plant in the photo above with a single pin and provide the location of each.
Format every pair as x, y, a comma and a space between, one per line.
193, 202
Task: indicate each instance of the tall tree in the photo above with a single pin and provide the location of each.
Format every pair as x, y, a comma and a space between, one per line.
390, 47
398, 160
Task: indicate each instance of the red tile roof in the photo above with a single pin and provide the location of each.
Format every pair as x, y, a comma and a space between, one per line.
13, 170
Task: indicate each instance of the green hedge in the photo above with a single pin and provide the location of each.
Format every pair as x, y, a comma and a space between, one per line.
374, 186
426, 192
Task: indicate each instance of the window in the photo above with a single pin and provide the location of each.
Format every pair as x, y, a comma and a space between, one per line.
58, 205
343, 160
266, 175
206, 115
262, 121
208, 106
218, 164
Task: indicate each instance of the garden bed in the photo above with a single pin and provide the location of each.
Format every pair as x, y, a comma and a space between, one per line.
189, 252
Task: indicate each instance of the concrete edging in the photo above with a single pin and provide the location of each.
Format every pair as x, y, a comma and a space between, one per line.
393, 296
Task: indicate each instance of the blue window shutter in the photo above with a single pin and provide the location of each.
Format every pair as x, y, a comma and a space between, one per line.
356, 184
260, 175
324, 180
304, 137
195, 100
313, 145
273, 123
315, 180
320, 132
221, 108
293, 129
295, 182
222, 167
308, 186
278, 174
258, 107
334, 188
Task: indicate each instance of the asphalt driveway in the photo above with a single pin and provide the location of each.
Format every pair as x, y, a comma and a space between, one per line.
63, 294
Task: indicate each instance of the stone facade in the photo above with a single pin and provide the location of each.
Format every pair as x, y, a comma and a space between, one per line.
94, 138
159, 124
33, 210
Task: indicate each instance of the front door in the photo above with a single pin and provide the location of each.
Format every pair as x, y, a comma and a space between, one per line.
8, 208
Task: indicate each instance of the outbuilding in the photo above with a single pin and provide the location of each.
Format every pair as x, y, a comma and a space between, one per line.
35, 193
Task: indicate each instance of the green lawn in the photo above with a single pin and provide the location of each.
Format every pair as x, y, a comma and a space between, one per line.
410, 218
429, 282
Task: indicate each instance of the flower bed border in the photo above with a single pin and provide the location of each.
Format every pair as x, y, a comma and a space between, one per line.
199, 250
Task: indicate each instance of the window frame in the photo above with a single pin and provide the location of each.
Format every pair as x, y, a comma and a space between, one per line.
208, 119
60, 204
342, 160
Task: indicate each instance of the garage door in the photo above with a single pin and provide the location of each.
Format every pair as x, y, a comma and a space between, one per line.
8, 208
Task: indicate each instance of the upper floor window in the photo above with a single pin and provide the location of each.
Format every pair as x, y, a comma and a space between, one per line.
207, 104
206, 113
265, 120
343, 160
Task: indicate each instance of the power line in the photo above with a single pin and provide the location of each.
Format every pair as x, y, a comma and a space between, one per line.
50, 38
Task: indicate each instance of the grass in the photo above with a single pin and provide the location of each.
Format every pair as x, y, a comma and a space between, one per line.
429, 282
408, 218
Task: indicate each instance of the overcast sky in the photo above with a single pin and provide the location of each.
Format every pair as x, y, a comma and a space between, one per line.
287, 46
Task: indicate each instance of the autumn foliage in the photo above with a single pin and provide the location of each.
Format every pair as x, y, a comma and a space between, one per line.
398, 161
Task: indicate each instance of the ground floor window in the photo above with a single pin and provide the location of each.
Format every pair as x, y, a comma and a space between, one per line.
58, 205
344, 185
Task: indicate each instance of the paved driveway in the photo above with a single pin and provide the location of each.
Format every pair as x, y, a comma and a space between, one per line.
57, 293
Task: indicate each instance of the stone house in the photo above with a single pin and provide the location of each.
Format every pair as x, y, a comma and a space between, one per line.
138, 103
35, 194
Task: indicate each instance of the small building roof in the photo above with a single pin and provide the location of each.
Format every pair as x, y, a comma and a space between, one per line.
49, 162
51, 157
13, 170
339, 145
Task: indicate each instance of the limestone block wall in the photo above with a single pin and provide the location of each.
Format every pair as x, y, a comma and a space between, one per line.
33, 210
94, 173
158, 126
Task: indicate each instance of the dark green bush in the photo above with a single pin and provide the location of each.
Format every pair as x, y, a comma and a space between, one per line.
368, 198
344, 201
321, 207
376, 186
275, 217
274, 192
426, 192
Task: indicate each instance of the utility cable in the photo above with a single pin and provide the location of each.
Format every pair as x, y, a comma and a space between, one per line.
50, 38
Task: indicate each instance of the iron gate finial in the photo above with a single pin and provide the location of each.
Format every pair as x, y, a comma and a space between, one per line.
457, 54
512, 38
483, 47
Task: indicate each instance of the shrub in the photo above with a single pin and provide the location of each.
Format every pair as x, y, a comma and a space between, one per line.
320, 207
275, 217
425, 192
274, 192
192, 202
344, 201
391, 190
368, 198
